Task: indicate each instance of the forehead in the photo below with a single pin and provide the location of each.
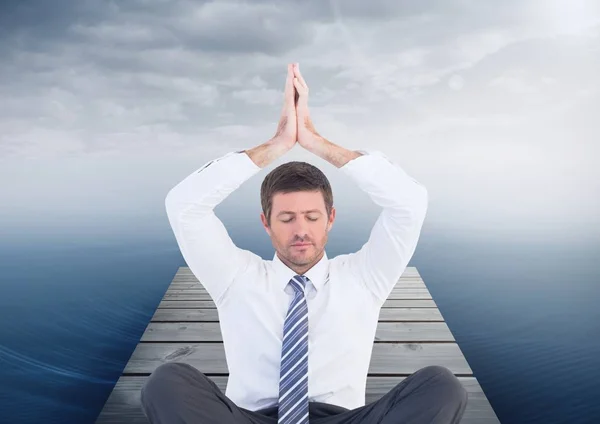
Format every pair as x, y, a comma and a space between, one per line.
298, 201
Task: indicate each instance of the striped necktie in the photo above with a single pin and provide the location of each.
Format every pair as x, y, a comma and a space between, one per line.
293, 381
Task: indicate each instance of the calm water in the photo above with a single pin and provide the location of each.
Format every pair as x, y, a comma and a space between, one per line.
526, 317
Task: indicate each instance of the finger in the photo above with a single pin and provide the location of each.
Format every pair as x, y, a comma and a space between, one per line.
289, 86
299, 88
298, 74
296, 96
302, 93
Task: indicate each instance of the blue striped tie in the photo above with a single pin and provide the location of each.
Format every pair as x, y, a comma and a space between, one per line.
293, 382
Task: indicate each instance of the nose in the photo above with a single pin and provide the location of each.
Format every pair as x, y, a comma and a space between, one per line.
300, 233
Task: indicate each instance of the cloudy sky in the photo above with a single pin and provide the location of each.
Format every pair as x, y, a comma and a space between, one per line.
494, 106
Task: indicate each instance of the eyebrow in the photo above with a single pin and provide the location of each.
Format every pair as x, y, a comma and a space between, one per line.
293, 213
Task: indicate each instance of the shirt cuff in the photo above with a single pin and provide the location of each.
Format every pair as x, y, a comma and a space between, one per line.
238, 155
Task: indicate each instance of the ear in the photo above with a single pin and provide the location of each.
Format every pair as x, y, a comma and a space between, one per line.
331, 218
263, 219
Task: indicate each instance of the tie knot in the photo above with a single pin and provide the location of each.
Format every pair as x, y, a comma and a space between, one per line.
298, 282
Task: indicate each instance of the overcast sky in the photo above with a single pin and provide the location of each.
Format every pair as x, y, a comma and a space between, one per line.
494, 106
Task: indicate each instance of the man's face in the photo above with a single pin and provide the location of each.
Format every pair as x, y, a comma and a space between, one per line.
299, 217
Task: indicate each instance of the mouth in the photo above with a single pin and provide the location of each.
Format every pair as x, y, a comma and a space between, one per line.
301, 244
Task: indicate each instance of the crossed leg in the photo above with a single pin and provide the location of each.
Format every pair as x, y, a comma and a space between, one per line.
431, 395
178, 393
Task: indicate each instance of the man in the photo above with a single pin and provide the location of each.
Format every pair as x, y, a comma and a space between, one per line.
298, 330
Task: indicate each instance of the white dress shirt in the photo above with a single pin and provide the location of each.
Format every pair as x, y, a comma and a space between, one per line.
252, 295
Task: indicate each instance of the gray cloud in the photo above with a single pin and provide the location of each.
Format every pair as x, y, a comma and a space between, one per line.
492, 107
85, 75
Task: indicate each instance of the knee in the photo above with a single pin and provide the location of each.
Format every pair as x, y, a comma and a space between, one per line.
160, 383
446, 383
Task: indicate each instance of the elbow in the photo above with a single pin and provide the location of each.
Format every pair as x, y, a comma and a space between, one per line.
423, 190
421, 205
425, 197
182, 208
420, 194
169, 199
170, 203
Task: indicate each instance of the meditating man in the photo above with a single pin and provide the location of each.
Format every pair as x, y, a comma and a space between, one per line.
298, 331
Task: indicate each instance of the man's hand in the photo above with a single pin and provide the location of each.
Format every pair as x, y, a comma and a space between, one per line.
307, 134
286, 134
308, 137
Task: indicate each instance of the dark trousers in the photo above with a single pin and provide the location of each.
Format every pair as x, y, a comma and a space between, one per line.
178, 393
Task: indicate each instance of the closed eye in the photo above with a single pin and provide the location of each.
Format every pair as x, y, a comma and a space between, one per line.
310, 219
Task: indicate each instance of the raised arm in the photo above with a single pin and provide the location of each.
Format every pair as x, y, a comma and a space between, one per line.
202, 238
394, 237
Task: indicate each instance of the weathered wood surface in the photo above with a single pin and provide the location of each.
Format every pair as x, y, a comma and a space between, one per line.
166, 314
211, 332
390, 303
411, 334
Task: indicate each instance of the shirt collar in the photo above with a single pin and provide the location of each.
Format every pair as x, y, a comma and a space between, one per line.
317, 274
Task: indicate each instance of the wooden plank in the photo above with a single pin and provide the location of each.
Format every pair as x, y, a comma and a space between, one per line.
387, 358
403, 294
394, 294
211, 315
390, 303
123, 405
211, 332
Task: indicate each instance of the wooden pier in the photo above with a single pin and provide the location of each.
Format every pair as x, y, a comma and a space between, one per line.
411, 334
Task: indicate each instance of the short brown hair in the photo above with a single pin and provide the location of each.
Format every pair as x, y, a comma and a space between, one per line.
294, 176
